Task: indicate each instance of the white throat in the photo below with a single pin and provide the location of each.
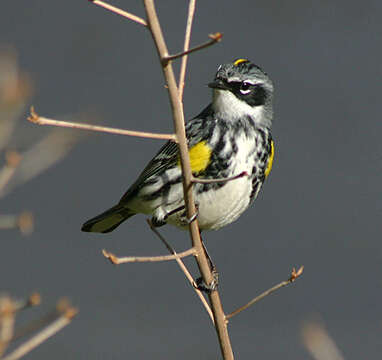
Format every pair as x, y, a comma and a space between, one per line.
228, 106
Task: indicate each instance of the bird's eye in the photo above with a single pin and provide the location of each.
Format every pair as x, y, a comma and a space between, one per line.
245, 88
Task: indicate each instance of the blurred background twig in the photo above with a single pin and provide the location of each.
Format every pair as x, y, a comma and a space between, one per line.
39, 330
21, 156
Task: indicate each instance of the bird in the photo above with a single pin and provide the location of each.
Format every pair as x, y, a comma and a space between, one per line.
230, 138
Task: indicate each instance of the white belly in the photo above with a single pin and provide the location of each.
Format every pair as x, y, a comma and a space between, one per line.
220, 207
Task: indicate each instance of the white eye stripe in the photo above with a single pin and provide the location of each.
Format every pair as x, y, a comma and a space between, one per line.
250, 82
245, 91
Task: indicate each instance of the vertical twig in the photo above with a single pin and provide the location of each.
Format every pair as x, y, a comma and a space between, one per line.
187, 37
184, 269
177, 110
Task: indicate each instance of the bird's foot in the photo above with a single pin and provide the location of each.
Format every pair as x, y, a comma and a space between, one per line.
158, 223
208, 288
193, 217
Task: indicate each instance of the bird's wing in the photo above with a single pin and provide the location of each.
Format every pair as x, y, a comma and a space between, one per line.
167, 157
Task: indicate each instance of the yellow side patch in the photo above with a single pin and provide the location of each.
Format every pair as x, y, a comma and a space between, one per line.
239, 61
200, 155
270, 160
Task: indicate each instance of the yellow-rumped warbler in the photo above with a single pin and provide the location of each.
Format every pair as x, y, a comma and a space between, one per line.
231, 136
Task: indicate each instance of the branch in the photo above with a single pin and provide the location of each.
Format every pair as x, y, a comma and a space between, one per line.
214, 39
7, 322
128, 259
12, 161
36, 325
319, 343
187, 37
33, 300
35, 118
23, 221
177, 111
294, 275
50, 330
118, 11
184, 269
218, 180
8, 310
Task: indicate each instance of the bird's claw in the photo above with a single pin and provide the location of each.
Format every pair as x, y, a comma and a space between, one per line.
208, 288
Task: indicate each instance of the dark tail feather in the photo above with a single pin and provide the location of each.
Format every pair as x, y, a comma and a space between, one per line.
108, 220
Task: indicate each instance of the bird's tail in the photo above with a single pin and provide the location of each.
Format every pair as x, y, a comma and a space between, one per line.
108, 220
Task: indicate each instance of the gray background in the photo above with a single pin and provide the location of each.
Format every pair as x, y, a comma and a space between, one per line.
321, 206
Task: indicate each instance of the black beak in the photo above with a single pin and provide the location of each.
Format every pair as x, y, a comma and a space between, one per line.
218, 84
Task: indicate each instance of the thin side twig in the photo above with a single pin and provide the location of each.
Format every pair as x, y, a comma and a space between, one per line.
35, 118
216, 37
118, 11
187, 37
43, 335
218, 180
294, 275
184, 269
129, 259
